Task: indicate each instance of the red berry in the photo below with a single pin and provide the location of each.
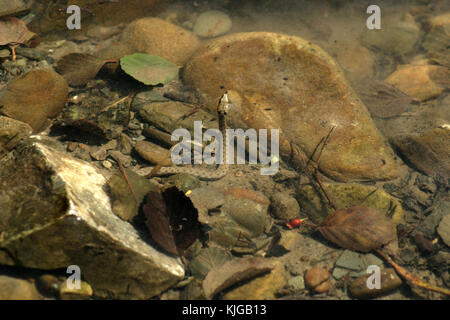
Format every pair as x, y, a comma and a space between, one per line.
294, 223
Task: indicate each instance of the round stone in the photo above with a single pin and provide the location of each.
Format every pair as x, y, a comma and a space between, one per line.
212, 24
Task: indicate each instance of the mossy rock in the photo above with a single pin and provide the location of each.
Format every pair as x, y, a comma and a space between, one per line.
345, 196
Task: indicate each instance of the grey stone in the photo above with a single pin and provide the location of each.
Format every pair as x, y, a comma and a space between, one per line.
125, 160
184, 181
284, 206
146, 97
297, 283
355, 264
429, 224
54, 212
66, 48
349, 260
31, 53
12, 132
169, 116
206, 199
398, 35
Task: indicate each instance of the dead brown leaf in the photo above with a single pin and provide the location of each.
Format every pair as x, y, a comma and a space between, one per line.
384, 100
34, 98
14, 31
358, 228
172, 220
79, 68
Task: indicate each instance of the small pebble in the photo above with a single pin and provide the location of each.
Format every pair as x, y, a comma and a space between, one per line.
125, 160
48, 284
318, 280
297, 283
82, 293
107, 164
284, 206
98, 153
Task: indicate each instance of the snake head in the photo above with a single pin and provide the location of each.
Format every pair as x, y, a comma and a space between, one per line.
224, 104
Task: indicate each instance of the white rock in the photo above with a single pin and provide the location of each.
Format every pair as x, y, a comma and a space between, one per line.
67, 220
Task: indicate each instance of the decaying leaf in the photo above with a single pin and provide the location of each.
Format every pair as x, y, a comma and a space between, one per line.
234, 271
148, 69
172, 220
384, 100
79, 68
123, 200
208, 259
158, 221
437, 43
14, 31
35, 97
358, 228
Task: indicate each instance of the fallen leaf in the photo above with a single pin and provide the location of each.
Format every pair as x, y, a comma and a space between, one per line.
14, 31
384, 100
232, 272
79, 68
34, 98
148, 69
123, 201
358, 228
208, 259
172, 220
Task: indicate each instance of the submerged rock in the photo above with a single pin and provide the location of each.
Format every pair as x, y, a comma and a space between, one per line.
212, 23
397, 36
239, 223
8, 7
429, 152
12, 132
285, 82
389, 281
54, 212
345, 196
318, 279
150, 35
17, 289
261, 288
284, 206
354, 264
84, 292
421, 82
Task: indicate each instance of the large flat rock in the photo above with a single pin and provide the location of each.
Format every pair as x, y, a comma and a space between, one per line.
285, 82
54, 212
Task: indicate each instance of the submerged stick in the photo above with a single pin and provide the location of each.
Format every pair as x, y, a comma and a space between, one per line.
408, 276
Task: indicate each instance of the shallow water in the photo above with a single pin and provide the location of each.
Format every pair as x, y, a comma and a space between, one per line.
365, 121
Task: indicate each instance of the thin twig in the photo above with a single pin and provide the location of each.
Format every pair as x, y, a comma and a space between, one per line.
410, 277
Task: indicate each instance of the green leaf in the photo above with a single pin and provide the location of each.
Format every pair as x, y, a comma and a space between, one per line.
148, 69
